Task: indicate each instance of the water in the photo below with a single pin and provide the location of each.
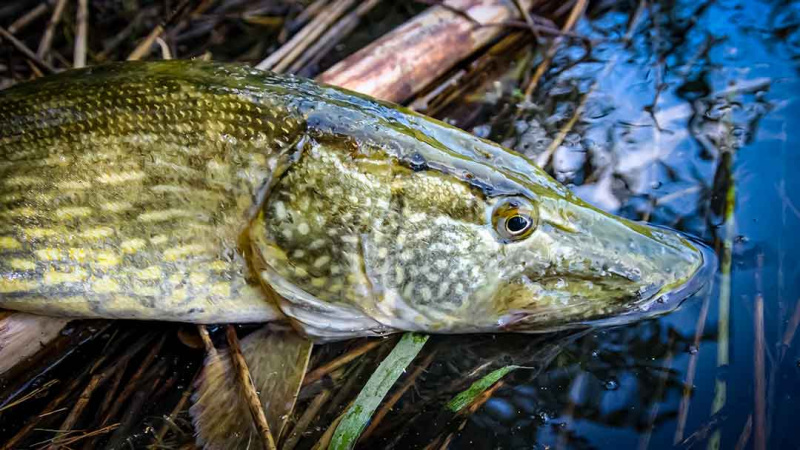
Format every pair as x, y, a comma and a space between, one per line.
699, 107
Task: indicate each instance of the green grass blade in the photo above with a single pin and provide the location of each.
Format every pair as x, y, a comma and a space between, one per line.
384, 377
477, 388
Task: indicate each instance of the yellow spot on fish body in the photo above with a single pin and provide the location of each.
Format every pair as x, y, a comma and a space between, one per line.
176, 253
151, 273
9, 243
39, 233
22, 180
22, 212
168, 214
132, 245
218, 266
22, 264
78, 255
9, 286
116, 207
159, 239
106, 259
198, 278
97, 233
318, 282
49, 254
322, 261
105, 286
121, 177
52, 277
221, 290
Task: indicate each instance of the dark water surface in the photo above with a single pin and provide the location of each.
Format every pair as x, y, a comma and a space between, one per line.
693, 123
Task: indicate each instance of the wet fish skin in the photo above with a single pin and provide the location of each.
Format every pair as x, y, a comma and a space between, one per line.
203, 192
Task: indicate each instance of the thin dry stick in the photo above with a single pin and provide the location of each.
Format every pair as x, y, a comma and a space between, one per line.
29, 17
321, 371
398, 394
112, 390
760, 392
744, 437
187, 393
144, 47
279, 60
96, 381
334, 35
81, 34
644, 439
22, 48
243, 374
683, 410
47, 37
788, 336
30, 395
304, 421
576, 13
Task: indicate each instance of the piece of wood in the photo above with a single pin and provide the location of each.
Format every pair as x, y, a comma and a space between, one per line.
22, 335
404, 61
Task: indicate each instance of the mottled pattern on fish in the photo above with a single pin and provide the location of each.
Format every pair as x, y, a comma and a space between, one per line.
130, 189
205, 192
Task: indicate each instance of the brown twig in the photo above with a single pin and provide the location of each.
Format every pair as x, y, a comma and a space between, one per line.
744, 436
30, 395
280, 59
686, 394
321, 371
47, 37
81, 34
96, 381
144, 46
305, 419
333, 36
243, 375
22, 48
29, 17
387, 406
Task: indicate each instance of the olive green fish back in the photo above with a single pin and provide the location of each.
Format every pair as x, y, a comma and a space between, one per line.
131, 188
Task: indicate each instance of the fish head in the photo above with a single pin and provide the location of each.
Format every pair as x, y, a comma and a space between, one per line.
389, 221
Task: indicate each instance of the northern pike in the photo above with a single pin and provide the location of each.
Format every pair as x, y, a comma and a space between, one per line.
214, 193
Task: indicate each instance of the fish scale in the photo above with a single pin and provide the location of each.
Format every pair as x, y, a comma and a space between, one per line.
141, 187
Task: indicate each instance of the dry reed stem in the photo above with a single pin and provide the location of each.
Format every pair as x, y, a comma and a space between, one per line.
47, 37
305, 420
249, 391
744, 436
103, 409
333, 35
29, 17
388, 404
323, 370
405, 60
788, 336
86, 395
760, 391
575, 14
81, 34
280, 59
683, 409
144, 46
644, 439
30, 395
22, 48
187, 393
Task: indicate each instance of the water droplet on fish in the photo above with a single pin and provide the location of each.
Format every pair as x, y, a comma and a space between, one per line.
611, 385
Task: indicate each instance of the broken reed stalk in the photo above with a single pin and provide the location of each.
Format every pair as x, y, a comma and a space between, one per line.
305, 420
47, 37
249, 390
333, 36
81, 34
22, 48
340, 361
407, 59
280, 59
187, 393
145, 45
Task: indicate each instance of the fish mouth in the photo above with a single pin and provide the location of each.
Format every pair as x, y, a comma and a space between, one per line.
650, 302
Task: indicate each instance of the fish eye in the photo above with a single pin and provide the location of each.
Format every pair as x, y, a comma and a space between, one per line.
514, 218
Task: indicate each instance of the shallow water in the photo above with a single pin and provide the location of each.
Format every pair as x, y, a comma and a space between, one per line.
700, 103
